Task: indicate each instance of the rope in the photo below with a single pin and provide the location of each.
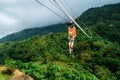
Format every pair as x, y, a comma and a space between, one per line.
74, 13
55, 6
67, 14
50, 10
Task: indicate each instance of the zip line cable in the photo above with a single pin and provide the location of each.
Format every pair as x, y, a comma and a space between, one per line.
55, 6
58, 7
74, 12
82, 22
71, 10
50, 10
67, 14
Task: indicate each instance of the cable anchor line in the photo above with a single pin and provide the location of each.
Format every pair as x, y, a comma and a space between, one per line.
74, 13
50, 10
68, 15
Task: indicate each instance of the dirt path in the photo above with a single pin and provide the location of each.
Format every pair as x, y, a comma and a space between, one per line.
17, 72
3, 68
17, 75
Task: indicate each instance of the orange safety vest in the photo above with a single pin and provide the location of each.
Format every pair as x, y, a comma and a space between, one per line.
72, 32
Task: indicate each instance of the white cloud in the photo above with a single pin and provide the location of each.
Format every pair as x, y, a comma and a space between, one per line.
6, 20
9, 1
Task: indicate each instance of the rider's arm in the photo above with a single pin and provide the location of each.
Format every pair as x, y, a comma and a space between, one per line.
68, 32
74, 32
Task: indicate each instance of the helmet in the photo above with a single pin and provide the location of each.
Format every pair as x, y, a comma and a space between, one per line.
69, 23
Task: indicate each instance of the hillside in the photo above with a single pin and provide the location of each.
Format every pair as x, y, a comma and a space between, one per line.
45, 57
24, 34
107, 13
106, 20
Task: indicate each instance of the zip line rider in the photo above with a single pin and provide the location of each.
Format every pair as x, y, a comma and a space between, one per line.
71, 35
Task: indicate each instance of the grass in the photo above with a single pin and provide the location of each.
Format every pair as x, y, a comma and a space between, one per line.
3, 76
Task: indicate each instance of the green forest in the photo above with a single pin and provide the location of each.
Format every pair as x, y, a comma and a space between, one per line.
44, 57
26, 33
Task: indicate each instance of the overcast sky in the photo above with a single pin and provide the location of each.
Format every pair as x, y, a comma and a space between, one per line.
16, 15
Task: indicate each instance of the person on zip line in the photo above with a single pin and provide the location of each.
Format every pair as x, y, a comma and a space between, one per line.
71, 35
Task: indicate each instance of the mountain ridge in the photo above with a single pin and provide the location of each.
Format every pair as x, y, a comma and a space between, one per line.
26, 33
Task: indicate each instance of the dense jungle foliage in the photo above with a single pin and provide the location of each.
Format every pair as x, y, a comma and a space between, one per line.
96, 58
